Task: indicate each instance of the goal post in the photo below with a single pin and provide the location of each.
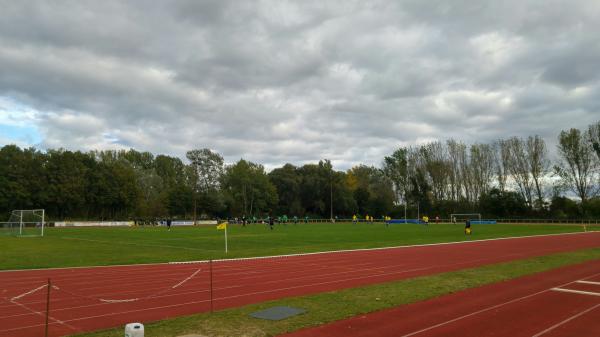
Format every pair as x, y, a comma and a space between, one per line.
25, 222
455, 217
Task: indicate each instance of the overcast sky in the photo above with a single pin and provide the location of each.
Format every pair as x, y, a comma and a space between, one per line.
278, 81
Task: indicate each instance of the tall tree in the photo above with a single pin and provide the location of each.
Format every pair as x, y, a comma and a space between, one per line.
576, 164
23, 181
539, 165
519, 168
501, 160
208, 168
435, 163
248, 188
482, 169
395, 168
457, 178
373, 192
67, 182
287, 180
594, 137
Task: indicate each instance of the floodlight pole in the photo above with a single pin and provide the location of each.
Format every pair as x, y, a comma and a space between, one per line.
331, 195
405, 194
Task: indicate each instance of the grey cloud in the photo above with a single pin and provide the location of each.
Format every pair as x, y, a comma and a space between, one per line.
275, 81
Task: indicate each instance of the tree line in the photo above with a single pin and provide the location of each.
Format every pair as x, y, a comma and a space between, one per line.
512, 177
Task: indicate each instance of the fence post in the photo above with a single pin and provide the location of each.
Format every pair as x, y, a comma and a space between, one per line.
47, 306
211, 285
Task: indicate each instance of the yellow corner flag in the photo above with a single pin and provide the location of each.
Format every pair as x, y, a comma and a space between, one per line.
223, 226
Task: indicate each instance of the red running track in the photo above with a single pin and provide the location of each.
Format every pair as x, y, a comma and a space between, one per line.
564, 302
83, 299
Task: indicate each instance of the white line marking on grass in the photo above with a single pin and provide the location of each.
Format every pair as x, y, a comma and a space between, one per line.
591, 293
129, 243
488, 309
374, 249
303, 254
589, 282
566, 321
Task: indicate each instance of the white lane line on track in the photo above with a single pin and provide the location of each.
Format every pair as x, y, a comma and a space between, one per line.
313, 278
186, 279
382, 273
488, 309
581, 292
303, 254
566, 321
44, 315
588, 282
309, 285
229, 297
29, 292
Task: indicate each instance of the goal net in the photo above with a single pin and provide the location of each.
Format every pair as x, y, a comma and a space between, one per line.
25, 222
458, 218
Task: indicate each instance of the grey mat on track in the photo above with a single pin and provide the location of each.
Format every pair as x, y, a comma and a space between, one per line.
277, 313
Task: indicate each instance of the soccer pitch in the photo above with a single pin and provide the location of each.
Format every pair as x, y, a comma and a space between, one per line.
72, 247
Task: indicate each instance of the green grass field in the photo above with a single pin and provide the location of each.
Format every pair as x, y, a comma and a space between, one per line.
70, 247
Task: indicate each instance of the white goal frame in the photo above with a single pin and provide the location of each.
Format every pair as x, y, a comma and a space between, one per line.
17, 216
454, 215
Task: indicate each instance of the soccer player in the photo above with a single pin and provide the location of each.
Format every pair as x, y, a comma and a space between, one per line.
306, 219
426, 220
271, 221
354, 219
169, 224
468, 227
295, 220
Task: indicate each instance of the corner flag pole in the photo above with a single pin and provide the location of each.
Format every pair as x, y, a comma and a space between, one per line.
225, 239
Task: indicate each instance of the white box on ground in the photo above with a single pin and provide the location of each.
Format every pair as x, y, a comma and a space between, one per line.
134, 330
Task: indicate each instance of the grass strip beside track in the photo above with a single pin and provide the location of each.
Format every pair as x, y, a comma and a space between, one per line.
331, 306
76, 247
